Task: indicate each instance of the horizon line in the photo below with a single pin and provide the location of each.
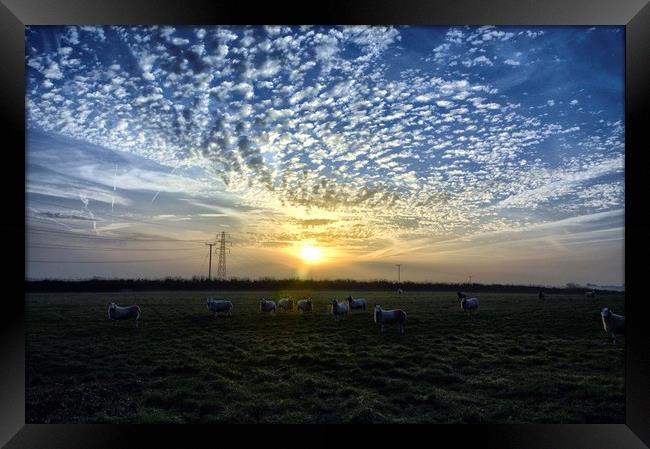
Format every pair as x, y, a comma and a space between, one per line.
340, 280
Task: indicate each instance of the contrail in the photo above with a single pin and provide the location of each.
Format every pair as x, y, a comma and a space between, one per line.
158, 192
114, 189
50, 218
85, 201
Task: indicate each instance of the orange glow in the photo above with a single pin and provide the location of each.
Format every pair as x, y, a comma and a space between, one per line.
310, 253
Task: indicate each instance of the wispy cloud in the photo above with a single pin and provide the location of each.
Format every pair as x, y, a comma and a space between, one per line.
341, 134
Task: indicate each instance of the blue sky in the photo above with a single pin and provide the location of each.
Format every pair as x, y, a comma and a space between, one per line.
496, 152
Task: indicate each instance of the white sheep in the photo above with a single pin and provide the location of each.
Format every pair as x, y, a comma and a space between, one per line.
219, 305
285, 304
468, 304
383, 317
356, 304
340, 308
116, 312
267, 305
305, 305
613, 324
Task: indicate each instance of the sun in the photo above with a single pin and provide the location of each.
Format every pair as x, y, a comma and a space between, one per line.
310, 253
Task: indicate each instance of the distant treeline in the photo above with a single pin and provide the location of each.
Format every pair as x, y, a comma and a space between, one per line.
201, 283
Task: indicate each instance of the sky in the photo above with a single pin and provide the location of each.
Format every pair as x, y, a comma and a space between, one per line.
490, 152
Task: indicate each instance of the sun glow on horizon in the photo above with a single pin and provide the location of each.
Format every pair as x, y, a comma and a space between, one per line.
310, 253
327, 152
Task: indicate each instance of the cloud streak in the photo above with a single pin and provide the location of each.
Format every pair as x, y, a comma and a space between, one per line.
340, 134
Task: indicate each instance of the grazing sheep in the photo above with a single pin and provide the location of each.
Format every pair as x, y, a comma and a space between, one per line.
356, 304
340, 308
540, 295
305, 305
116, 312
613, 324
384, 317
591, 294
285, 304
219, 305
468, 304
461, 295
267, 305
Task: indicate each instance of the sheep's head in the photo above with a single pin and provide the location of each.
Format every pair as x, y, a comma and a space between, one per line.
606, 313
376, 312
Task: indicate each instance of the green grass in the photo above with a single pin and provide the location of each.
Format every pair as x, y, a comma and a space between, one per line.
518, 360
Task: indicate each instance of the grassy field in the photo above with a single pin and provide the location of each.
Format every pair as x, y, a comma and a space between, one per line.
518, 360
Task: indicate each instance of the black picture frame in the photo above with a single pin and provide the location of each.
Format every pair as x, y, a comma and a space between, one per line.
633, 14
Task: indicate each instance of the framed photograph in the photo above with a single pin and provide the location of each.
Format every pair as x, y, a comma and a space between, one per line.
425, 214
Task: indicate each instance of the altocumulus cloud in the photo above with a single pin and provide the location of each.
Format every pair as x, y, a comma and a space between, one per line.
404, 131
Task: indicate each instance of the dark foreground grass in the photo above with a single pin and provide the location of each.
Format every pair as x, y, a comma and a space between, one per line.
518, 360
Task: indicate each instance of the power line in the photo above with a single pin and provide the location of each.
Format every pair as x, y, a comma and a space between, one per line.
121, 217
203, 262
76, 235
241, 259
71, 234
110, 261
92, 248
102, 237
51, 220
